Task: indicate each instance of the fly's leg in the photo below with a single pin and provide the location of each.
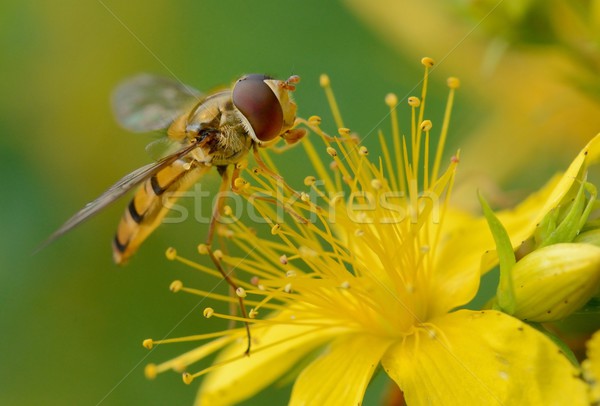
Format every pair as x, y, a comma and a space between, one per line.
209, 239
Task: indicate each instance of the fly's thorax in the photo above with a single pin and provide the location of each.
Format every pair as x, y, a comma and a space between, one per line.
217, 118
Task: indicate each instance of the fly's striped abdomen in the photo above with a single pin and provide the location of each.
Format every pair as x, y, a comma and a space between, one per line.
150, 205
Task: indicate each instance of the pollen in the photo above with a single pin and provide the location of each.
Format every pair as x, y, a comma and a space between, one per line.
227, 211
208, 312
176, 286
171, 253
148, 343
324, 80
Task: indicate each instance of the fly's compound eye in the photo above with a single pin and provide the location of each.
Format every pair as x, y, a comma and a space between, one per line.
257, 102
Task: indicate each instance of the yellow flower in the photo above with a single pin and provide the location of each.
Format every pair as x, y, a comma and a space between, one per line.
591, 367
368, 269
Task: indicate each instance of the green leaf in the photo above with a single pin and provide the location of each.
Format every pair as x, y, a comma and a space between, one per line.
506, 256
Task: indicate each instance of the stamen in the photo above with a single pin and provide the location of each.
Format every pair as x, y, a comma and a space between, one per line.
326, 85
171, 253
176, 286
453, 84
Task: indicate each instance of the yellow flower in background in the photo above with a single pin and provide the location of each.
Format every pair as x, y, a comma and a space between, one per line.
368, 269
537, 103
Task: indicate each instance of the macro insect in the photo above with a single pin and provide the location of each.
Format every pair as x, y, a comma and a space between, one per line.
215, 130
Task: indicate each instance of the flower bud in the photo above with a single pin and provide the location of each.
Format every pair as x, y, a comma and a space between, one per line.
554, 281
589, 237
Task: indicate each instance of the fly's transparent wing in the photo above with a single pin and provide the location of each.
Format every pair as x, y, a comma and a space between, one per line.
117, 190
149, 102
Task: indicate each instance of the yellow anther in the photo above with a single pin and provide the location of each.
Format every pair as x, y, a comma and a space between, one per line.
314, 120
150, 371
391, 99
376, 184
426, 125
288, 288
218, 255
148, 343
227, 211
331, 151
453, 82
240, 292
252, 313
275, 229
208, 312
344, 132
283, 259
345, 285
428, 62
187, 378
414, 101
202, 249
171, 253
254, 280
324, 80
241, 165
176, 286
239, 183
304, 197
309, 180
291, 273
363, 151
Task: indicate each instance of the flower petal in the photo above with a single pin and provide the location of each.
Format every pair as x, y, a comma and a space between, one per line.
341, 376
284, 345
466, 238
483, 358
591, 367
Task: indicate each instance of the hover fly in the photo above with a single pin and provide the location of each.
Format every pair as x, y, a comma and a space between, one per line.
216, 130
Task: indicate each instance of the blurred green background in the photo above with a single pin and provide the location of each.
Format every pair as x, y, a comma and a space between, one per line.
72, 322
